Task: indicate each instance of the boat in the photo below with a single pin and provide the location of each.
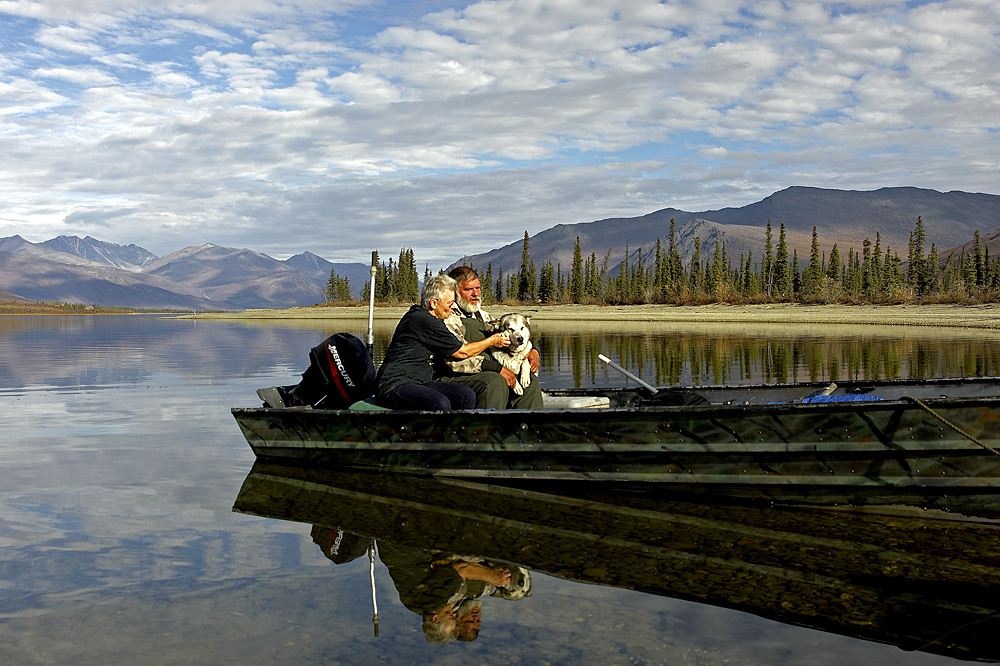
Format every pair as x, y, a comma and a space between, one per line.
922, 580
884, 440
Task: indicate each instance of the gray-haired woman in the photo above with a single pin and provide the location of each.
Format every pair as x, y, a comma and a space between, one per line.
405, 378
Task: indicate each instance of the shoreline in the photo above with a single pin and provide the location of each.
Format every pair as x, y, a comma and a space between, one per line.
986, 316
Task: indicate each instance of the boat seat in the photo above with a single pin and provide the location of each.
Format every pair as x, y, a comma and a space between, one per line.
368, 405
575, 402
549, 402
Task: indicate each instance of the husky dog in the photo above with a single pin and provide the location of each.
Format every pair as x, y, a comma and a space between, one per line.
519, 586
514, 357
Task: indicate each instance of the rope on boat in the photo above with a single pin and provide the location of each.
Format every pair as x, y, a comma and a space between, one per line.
951, 425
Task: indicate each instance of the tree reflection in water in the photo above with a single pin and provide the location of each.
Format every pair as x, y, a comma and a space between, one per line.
667, 353
787, 354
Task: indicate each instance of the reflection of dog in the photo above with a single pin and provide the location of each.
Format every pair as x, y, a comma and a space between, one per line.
519, 586
514, 357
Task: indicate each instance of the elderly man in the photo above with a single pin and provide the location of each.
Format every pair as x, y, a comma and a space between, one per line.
492, 382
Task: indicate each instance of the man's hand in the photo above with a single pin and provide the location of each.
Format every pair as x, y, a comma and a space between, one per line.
508, 377
534, 360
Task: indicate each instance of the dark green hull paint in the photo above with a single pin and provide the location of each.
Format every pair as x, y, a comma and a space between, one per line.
920, 580
891, 443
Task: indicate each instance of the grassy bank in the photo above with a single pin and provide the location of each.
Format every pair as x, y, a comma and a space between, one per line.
22, 308
958, 316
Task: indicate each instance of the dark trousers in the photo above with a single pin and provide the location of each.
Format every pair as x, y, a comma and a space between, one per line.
434, 396
492, 391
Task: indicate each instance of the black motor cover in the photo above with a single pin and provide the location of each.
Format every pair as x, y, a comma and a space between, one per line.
340, 373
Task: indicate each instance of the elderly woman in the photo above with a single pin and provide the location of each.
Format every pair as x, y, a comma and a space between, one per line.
405, 379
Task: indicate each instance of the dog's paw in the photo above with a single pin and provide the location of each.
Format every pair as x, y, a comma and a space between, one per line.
518, 389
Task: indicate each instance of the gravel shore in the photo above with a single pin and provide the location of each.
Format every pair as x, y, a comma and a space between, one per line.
948, 316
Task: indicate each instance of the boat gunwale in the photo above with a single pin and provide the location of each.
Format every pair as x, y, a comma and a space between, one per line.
946, 402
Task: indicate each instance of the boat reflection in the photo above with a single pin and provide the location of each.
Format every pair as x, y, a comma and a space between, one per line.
921, 580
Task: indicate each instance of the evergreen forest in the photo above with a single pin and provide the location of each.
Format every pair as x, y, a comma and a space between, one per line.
871, 274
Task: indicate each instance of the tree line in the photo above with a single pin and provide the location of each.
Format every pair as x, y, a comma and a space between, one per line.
395, 282
873, 274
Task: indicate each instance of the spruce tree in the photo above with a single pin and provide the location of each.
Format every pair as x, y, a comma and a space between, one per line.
812, 282
767, 262
525, 278
916, 271
836, 265
696, 271
547, 283
338, 289
675, 278
782, 276
979, 260
576, 280
933, 272
487, 284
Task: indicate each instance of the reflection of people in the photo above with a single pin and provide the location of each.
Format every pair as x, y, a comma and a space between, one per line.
492, 382
436, 589
405, 378
468, 617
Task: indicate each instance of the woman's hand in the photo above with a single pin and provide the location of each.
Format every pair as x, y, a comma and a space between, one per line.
499, 576
500, 340
470, 349
493, 575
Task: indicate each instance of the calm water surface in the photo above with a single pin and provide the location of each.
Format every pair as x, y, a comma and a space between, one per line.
120, 466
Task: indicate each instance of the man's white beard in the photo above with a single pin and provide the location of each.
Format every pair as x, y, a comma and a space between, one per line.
467, 306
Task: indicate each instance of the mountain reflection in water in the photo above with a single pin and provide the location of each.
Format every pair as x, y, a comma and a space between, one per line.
924, 581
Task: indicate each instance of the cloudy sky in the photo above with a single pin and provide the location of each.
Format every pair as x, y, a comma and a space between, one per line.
342, 126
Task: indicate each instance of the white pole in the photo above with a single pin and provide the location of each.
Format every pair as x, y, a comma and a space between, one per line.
371, 305
371, 562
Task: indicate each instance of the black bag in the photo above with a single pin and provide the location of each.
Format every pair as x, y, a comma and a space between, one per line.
340, 373
668, 398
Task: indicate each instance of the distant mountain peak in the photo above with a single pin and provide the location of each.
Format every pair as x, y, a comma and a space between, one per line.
126, 257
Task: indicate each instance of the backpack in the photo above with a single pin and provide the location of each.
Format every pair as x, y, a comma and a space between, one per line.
340, 373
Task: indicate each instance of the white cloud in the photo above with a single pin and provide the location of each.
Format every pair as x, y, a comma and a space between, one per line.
256, 123
21, 96
68, 39
84, 76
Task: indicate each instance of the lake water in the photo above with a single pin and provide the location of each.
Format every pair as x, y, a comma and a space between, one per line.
120, 466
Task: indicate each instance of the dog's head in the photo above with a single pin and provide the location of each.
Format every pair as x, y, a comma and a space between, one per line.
517, 326
519, 586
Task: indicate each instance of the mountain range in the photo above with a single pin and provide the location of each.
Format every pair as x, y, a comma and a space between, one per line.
210, 277
200, 277
950, 219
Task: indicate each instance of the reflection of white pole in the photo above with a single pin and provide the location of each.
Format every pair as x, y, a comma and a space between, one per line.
371, 306
628, 374
371, 568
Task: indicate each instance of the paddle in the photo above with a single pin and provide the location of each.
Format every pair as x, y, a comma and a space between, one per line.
649, 387
660, 397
